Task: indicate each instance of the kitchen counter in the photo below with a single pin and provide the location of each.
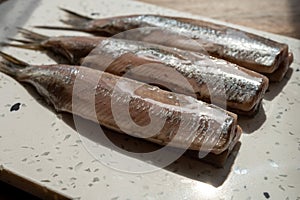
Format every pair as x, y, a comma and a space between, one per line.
49, 155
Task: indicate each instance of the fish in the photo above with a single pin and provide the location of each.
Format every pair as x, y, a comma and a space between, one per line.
245, 49
202, 76
128, 106
71, 48
280, 73
168, 38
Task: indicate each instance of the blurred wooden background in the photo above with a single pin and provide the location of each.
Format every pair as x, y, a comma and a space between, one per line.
276, 16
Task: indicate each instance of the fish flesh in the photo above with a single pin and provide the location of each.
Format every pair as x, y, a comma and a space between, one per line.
185, 122
279, 73
245, 49
202, 76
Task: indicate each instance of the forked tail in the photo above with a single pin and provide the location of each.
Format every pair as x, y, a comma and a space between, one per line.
12, 66
33, 36
32, 40
74, 20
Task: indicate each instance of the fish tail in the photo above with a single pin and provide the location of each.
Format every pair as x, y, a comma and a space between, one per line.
32, 46
19, 40
59, 28
75, 20
74, 14
12, 66
32, 40
32, 36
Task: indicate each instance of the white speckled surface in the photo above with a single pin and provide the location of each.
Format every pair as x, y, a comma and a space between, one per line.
36, 144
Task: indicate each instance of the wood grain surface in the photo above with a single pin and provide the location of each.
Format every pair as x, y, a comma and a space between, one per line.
275, 16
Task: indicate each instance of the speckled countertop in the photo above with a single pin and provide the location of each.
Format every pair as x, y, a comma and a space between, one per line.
43, 154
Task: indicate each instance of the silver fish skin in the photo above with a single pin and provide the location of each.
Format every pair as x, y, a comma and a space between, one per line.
245, 49
195, 74
204, 127
210, 79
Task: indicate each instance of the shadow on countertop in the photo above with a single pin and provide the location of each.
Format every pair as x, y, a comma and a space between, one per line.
186, 165
276, 87
252, 123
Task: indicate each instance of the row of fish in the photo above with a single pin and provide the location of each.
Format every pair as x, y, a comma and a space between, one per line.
196, 66
245, 49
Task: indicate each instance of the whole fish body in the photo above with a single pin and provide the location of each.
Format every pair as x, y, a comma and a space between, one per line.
171, 39
245, 49
212, 80
203, 127
209, 79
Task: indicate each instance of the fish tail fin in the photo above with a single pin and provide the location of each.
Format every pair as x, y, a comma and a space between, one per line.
32, 40
74, 14
75, 21
19, 40
60, 28
33, 36
32, 46
12, 66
